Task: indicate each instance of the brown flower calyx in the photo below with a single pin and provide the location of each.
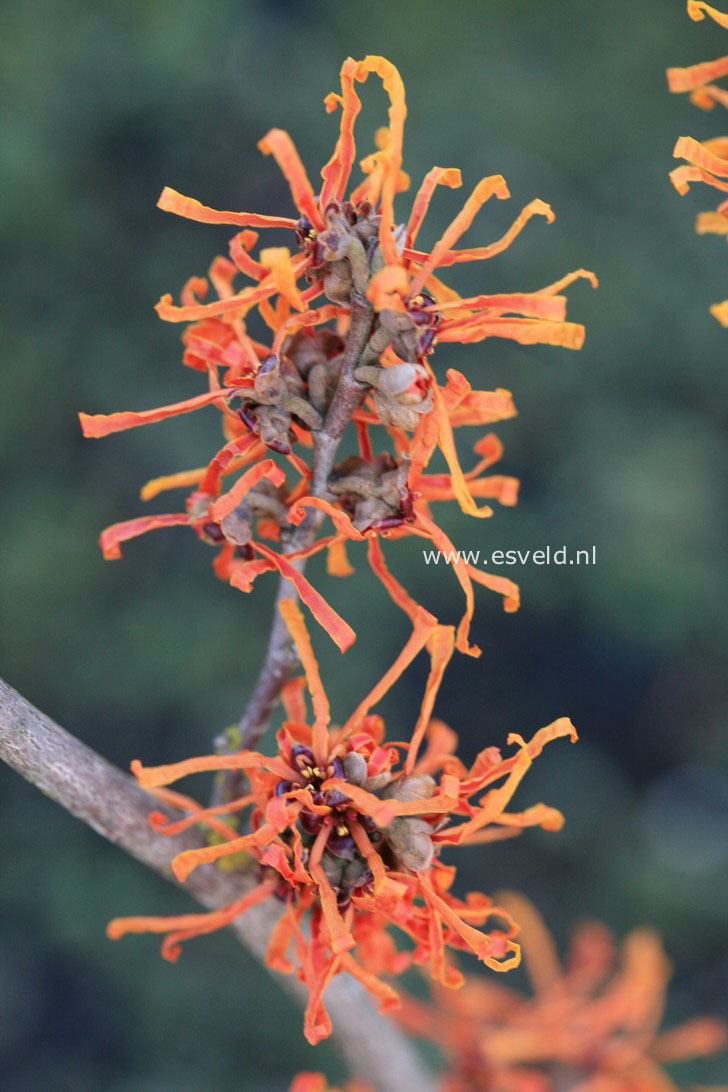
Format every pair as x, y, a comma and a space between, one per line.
409, 837
400, 392
346, 252
317, 357
375, 493
264, 501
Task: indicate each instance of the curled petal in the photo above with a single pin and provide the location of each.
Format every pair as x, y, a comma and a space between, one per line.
340, 519
340, 632
711, 223
480, 943
103, 424
181, 480
424, 625
292, 697
277, 260
171, 201
403, 600
438, 537
441, 646
150, 777
482, 253
437, 176
189, 859
110, 539
495, 185
681, 177
394, 87
531, 304
230, 500
700, 155
697, 10
337, 561
337, 171
296, 626
188, 925
566, 335
446, 441
279, 144
387, 287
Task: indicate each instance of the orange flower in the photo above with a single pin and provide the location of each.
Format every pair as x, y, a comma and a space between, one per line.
316, 1082
592, 1024
707, 161
346, 830
346, 248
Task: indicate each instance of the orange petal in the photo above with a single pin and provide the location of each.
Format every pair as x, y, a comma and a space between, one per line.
567, 335
111, 537
279, 144
532, 304
424, 624
230, 500
480, 943
437, 176
102, 424
277, 260
443, 543
681, 177
296, 626
403, 600
188, 925
701, 155
696, 75
340, 631
189, 859
183, 479
171, 201
337, 562
719, 311
387, 287
149, 777
697, 10
394, 87
292, 697
446, 442
502, 585
340, 519
495, 185
338, 169
441, 646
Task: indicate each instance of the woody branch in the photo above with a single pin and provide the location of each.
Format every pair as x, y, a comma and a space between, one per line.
110, 802
280, 659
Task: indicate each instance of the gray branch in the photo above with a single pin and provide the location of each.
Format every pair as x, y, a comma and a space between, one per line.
111, 802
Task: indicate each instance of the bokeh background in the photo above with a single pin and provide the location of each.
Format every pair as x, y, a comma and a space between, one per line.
620, 446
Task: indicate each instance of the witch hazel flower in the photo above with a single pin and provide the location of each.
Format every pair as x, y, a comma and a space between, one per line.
348, 255
706, 161
346, 830
591, 1023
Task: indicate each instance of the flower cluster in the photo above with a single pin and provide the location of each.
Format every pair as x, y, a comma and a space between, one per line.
591, 1025
278, 397
707, 161
346, 829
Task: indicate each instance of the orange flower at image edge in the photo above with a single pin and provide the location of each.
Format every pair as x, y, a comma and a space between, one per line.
276, 396
592, 1025
707, 161
346, 830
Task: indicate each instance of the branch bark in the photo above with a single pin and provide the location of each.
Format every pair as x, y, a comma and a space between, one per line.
280, 658
111, 802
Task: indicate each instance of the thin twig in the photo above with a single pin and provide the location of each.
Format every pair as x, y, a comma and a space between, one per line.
280, 658
93, 790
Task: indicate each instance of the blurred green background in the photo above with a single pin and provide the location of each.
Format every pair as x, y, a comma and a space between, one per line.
620, 446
